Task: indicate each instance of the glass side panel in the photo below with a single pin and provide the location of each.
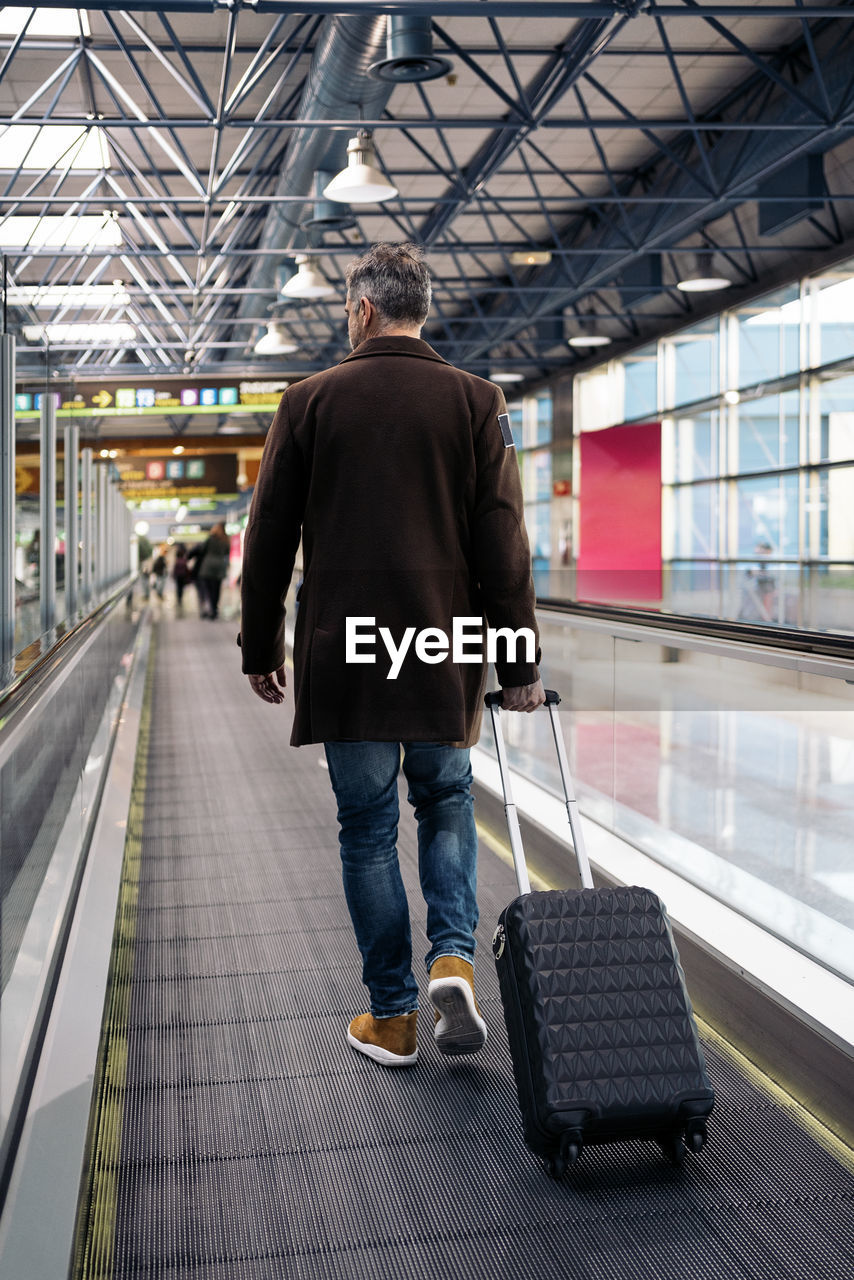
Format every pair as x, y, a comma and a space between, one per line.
49, 778
738, 776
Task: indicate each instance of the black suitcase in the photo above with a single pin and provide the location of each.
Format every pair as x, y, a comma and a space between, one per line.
601, 1030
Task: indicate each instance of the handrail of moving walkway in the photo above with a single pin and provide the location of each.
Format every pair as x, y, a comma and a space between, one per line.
23, 687
55, 850
751, 636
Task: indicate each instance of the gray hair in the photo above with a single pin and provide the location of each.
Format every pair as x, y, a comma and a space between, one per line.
395, 279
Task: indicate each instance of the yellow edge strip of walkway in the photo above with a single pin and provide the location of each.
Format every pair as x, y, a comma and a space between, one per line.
826, 1138
95, 1238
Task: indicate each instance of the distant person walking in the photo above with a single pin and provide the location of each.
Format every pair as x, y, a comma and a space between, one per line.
214, 557
180, 573
159, 572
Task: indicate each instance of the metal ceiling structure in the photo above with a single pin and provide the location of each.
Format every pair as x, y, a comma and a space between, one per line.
615, 139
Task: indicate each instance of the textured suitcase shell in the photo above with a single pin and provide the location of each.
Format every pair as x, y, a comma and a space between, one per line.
601, 1031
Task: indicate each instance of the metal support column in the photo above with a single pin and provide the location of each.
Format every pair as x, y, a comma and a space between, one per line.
86, 526
108, 526
72, 520
7, 498
101, 527
47, 513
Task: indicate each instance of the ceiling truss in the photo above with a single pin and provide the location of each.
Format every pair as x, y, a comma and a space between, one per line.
603, 134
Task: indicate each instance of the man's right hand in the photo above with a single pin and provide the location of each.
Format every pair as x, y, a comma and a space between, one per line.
524, 697
266, 688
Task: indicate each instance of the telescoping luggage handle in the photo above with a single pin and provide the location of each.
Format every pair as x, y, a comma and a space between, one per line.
493, 701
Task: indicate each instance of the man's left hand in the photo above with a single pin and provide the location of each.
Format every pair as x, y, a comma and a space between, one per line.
267, 688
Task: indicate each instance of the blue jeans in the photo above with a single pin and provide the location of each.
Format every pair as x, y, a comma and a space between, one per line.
364, 779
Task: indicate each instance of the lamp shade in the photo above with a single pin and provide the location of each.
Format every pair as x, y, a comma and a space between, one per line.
308, 282
275, 342
702, 278
361, 182
589, 340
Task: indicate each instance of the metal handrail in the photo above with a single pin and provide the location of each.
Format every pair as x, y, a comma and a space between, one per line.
752, 635
25, 684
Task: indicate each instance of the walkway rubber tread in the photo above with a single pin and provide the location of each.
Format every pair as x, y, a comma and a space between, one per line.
256, 1145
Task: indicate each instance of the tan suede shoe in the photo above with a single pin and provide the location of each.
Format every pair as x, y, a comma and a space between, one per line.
459, 1027
390, 1041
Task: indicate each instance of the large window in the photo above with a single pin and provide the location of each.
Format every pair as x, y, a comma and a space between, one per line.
531, 420
641, 384
832, 314
767, 431
757, 446
769, 338
692, 363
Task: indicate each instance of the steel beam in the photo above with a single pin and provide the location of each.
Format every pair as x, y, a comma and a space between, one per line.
101, 528
47, 512
86, 527
7, 505
72, 519
736, 168
462, 8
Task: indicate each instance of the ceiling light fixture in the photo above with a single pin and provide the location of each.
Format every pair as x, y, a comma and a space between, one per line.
702, 278
506, 375
308, 282
531, 257
77, 231
78, 334
44, 22
52, 296
275, 342
54, 146
589, 340
361, 182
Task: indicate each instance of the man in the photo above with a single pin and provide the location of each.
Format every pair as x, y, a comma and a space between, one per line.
394, 469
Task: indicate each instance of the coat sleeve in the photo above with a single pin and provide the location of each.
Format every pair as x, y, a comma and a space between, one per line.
270, 547
502, 558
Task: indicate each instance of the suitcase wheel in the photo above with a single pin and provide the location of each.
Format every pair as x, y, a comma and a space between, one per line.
696, 1134
566, 1158
673, 1147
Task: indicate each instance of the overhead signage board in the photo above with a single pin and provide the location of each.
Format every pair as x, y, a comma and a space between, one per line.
124, 399
170, 479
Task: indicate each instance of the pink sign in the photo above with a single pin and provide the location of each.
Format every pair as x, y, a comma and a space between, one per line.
619, 560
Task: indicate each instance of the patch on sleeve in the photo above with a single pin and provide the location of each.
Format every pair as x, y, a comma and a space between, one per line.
506, 433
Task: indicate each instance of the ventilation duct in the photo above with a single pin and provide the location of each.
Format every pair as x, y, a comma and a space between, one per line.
409, 52
640, 280
805, 174
337, 87
326, 216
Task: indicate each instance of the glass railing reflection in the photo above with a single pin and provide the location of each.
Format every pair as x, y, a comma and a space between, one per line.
738, 775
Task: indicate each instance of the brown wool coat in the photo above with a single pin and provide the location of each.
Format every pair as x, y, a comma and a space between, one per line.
393, 468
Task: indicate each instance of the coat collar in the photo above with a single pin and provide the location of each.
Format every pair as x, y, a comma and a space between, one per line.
394, 346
